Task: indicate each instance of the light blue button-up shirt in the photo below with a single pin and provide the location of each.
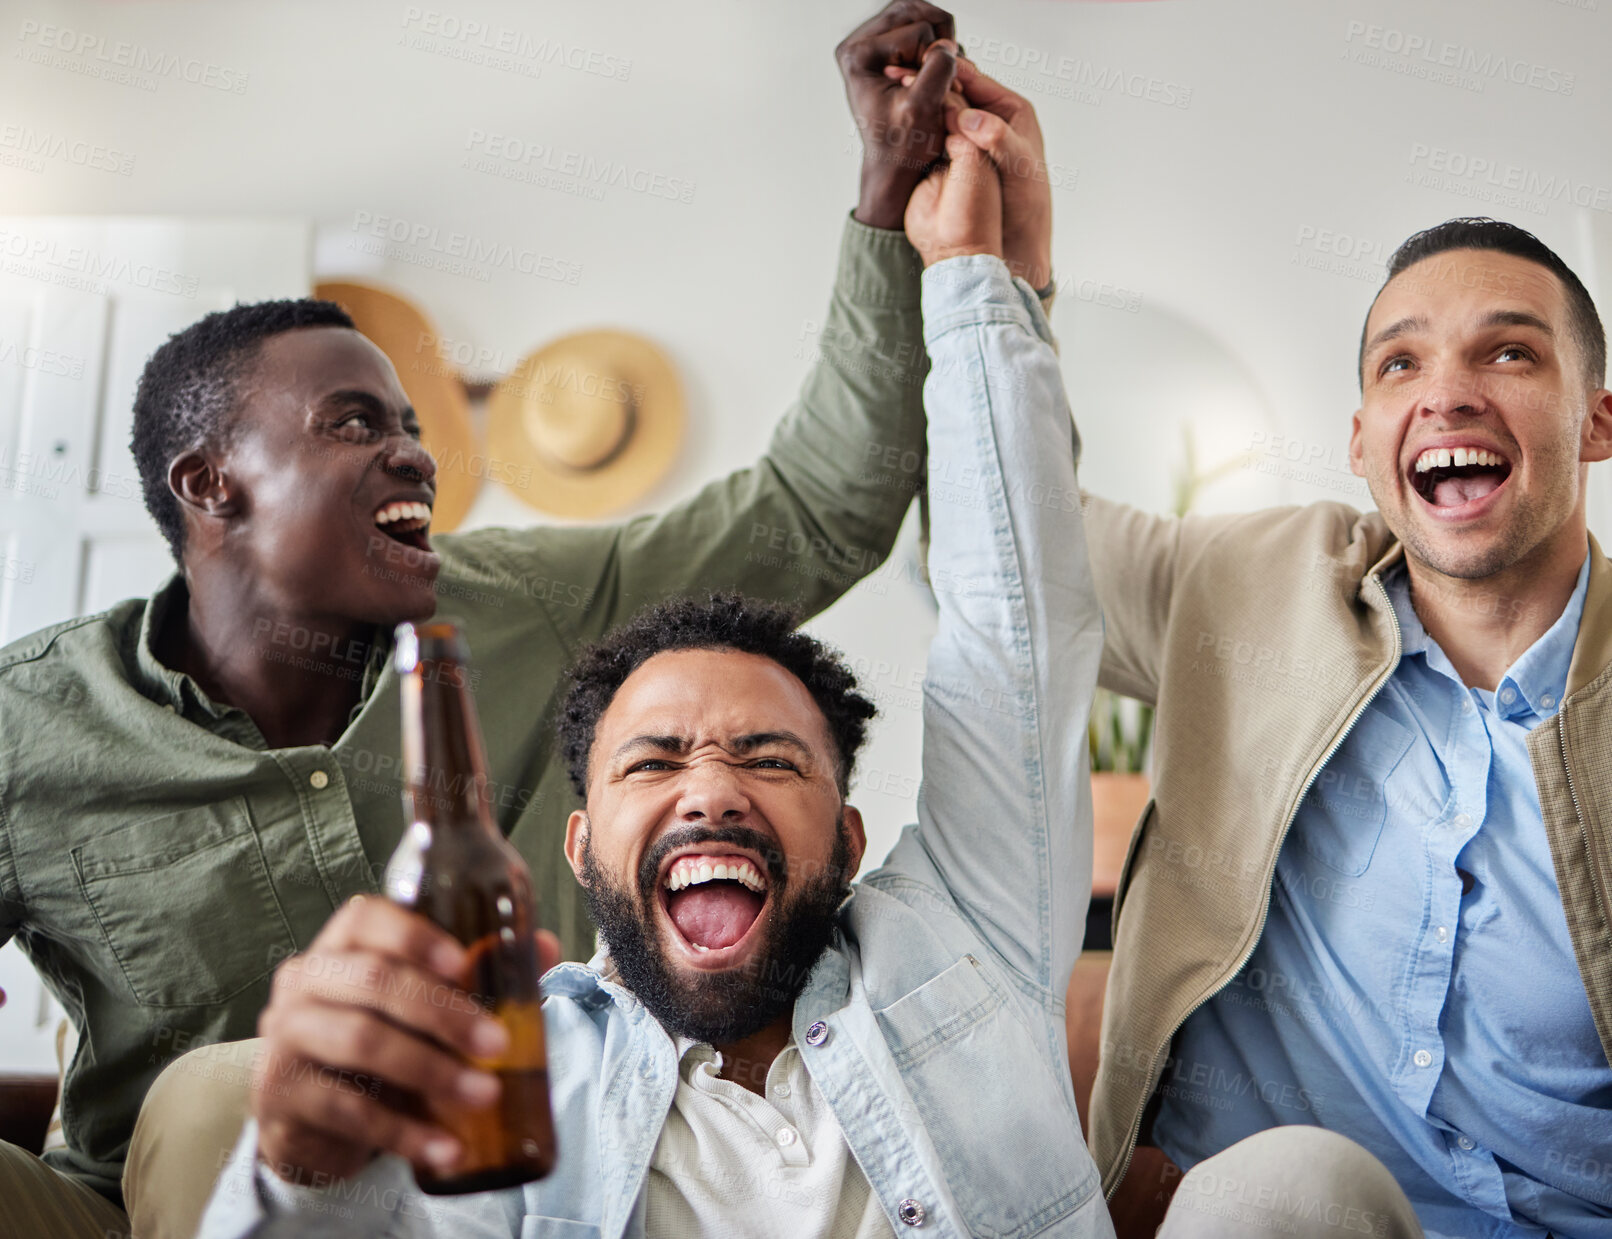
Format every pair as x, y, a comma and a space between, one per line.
1415, 987
934, 1024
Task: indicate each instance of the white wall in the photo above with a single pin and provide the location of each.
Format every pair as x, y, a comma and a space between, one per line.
1261, 131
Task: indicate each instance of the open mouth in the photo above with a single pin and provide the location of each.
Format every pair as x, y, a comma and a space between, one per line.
1448, 477
714, 901
405, 522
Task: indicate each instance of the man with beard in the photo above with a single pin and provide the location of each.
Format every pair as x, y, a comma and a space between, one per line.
761, 1048
1373, 892
227, 777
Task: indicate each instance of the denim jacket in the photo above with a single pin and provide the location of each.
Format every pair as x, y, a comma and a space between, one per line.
934, 1023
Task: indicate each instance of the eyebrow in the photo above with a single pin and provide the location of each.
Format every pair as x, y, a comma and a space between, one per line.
764, 739
368, 401
1518, 318
1393, 331
1495, 318
659, 744
680, 745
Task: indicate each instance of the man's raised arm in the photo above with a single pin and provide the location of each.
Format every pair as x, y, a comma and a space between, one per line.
821, 509
1005, 806
1134, 555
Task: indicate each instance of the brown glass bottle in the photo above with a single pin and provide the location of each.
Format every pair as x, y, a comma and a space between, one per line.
455, 867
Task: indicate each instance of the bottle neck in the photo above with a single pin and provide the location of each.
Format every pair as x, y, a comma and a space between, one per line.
444, 766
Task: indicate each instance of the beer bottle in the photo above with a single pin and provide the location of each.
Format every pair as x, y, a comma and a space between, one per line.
454, 867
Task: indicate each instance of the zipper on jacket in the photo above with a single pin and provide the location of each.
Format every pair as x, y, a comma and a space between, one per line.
1265, 909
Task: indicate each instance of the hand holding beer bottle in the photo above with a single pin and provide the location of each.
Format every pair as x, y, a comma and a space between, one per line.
455, 868
391, 1034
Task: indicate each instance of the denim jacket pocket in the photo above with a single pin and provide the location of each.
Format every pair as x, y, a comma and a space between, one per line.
556, 1228
185, 904
1014, 1159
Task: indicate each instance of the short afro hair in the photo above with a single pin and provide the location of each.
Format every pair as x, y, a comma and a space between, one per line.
1482, 233
722, 622
187, 393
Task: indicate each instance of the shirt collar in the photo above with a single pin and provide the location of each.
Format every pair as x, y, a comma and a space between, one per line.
156, 679
599, 976
168, 687
1535, 683
692, 1054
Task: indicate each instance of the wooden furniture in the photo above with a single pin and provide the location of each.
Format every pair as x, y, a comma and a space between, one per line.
1139, 1205
26, 1102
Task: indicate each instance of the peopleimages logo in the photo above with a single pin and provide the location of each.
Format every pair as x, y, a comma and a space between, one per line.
85, 51
1484, 66
84, 268
1034, 69
452, 251
33, 143
541, 163
1489, 180
505, 46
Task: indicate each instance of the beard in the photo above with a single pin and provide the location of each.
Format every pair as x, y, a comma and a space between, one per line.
720, 1007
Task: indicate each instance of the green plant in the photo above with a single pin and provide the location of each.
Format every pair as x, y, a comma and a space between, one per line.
1119, 733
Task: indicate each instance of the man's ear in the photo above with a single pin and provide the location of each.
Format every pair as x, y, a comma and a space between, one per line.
201, 485
857, 835
1357, 457
576, 842
1596, 441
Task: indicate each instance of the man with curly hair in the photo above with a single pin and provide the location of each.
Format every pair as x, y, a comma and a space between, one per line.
228, 774
763, 1048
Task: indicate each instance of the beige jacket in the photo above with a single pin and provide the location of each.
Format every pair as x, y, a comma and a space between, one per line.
1265, 636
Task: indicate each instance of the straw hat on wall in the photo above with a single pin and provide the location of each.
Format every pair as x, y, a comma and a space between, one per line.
593, 420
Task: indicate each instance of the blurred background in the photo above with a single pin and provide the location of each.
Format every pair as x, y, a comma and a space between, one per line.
1230, 180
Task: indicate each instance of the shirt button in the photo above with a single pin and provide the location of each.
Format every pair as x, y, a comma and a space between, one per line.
1422, 1058
320, 780
910, 1212
1442, 934
1548, 700
1508, 695
786, 1137
817, 1034
781, 1091
1463, 820
170, 709
1466, 706
1464, 1142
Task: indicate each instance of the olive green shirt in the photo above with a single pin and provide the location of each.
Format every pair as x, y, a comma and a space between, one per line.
157, 859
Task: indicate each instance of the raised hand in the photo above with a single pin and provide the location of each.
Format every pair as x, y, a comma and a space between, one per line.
903, 128
372, 1011
957, 208
1004, 125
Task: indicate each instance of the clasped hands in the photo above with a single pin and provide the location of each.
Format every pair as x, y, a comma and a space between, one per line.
948, 153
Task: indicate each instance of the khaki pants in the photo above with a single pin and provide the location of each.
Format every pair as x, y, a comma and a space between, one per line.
1303, 1181
188, 1126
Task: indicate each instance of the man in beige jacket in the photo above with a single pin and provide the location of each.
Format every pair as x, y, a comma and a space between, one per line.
1373, 892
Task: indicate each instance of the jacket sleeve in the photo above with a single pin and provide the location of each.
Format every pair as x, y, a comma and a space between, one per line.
1004, 809
1134, 556
1138, 560
12, 910
380, 1202
819, 511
